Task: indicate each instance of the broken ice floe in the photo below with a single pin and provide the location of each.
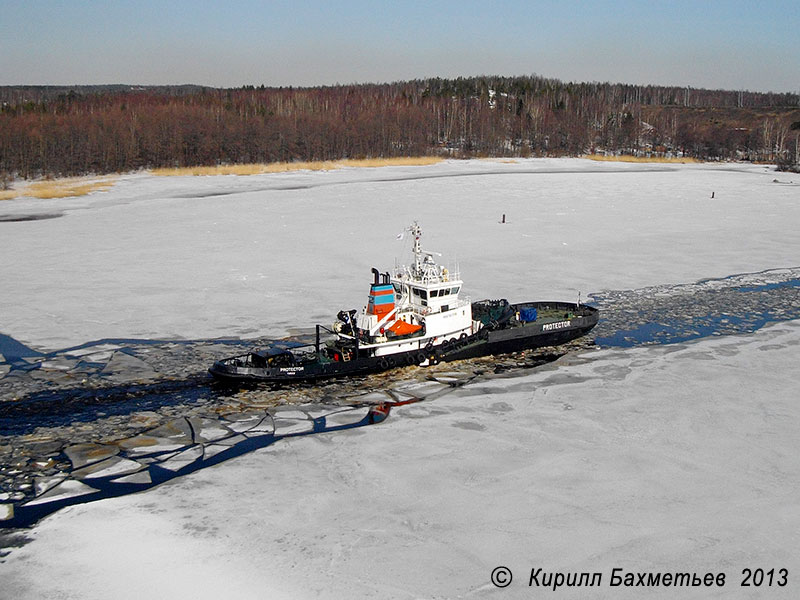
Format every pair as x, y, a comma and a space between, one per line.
208, 430
114, 466
284, 427
94, 350
84, 454
182, 459
66, 490
344, 418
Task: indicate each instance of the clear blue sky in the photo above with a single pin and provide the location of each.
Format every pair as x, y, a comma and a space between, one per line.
700, 43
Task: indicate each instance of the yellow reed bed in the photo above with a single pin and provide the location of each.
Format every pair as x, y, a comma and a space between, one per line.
640, 159
326, 165
59, 188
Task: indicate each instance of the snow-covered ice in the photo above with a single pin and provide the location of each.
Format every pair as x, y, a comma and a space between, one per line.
203, 257
670, 458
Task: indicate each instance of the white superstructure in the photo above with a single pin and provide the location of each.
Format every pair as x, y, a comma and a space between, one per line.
417, 307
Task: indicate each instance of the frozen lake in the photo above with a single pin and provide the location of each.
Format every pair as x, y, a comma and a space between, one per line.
202, 257
671, 458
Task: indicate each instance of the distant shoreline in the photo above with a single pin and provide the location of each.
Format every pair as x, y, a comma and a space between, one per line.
55, 131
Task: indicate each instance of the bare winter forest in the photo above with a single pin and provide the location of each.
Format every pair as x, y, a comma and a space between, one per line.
53, 131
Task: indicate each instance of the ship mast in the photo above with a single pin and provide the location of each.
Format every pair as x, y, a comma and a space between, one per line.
417, 249
425, 268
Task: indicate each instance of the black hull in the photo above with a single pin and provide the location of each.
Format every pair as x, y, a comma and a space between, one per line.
488, 341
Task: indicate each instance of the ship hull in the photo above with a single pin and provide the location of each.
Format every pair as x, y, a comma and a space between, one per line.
499, 339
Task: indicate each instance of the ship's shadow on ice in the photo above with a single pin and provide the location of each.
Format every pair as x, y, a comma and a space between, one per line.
178, 448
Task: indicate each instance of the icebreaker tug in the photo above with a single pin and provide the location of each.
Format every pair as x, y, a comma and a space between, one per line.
415, 316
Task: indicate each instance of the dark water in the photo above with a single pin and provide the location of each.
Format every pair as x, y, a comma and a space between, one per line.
54, 408
792, 283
